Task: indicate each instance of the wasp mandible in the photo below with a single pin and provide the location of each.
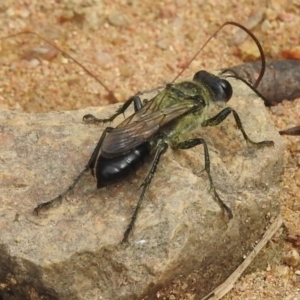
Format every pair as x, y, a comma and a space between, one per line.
158, 124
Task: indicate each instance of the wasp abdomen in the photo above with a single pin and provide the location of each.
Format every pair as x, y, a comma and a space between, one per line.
110, 170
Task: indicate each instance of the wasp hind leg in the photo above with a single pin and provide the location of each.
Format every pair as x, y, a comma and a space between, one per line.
160, 150
195, 142
90, 165
136, 100
222, 115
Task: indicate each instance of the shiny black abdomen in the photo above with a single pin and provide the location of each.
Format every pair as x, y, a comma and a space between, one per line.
110, 170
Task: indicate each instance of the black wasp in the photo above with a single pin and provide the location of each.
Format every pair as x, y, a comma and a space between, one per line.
156, 125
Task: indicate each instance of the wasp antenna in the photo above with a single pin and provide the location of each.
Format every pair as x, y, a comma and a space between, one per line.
111, 95
254, 89
261, 51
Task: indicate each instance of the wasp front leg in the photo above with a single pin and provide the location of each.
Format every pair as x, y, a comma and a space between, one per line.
193, 143
136, 100
222, 115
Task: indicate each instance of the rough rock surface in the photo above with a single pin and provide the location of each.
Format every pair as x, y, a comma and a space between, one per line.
73, 251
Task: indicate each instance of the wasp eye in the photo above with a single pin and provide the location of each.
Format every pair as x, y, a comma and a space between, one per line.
220, 88
227, 89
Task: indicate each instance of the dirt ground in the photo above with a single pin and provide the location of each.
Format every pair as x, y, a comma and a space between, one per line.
134, 46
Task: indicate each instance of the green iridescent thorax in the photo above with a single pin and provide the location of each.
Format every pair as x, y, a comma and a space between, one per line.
182, 92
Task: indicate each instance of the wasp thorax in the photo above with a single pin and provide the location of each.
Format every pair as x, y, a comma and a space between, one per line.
221, 89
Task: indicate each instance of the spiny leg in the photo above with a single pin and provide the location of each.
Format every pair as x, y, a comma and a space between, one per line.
195, 142
93, 158
160, 150
222, 115
60, 196
136, 100
90, 165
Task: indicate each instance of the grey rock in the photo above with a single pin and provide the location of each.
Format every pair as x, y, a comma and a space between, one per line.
73, 250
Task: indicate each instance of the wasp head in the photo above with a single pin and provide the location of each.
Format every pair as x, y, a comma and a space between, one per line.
221, 89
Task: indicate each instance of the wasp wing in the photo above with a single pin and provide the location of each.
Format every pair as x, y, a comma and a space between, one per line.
130, 134
158, 102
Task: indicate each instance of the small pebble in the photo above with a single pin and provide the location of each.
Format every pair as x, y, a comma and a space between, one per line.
117, 19
163, 44
292, 258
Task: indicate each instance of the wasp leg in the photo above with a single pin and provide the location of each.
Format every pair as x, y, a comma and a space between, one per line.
222, 115
93, 158
136, 100
90, 165
60, 196
160, 150
195, 142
